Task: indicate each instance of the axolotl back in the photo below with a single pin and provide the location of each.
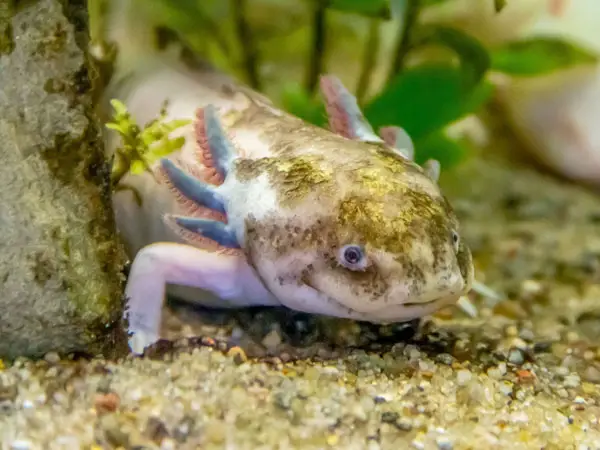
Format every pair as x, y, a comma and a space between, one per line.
276, 211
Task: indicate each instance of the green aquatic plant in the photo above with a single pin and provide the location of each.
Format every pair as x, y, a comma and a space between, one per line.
423, 95
142, 147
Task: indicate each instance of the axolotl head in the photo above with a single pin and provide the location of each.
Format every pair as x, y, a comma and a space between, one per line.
357, 229
373, 239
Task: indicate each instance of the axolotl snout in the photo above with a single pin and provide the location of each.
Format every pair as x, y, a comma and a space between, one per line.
272, 210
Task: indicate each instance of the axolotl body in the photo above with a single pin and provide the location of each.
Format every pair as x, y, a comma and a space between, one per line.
262, 208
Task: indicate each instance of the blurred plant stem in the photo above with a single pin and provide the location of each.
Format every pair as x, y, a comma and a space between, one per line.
247, 44
499, 5
368, 61
404, 43
317, 56
96, 10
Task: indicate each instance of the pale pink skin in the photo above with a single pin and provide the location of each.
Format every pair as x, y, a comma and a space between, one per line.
557, 117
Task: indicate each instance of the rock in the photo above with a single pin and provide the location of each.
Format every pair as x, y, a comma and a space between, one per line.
60, 266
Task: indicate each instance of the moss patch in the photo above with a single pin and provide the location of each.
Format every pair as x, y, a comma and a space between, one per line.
7, 42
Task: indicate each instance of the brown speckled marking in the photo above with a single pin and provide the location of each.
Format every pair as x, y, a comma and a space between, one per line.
465, 261
292, 177
393, 230
227, 90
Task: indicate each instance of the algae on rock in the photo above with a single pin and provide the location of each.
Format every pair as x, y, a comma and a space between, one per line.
60, 262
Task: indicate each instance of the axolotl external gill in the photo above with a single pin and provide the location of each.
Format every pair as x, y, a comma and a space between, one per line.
272, 210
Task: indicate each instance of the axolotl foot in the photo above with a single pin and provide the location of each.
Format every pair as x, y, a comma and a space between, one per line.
227, 276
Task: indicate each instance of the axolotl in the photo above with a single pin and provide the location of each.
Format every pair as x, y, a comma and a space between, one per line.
259, 207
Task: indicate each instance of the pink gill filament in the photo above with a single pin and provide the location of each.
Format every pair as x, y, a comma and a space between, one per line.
204, 170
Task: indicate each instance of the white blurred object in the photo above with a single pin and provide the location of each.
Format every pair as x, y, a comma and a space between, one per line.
558, 115
558, 119
479, 18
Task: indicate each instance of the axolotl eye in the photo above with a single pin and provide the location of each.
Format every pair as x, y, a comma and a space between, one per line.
455, 240
353, 257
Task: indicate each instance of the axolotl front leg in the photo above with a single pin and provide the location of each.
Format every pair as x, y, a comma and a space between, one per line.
212, 261
228, 276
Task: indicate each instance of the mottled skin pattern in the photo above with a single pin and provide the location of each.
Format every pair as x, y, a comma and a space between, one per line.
295, 195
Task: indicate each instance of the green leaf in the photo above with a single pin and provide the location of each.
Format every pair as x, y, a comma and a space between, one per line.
539, 55
499, 5
296, 101
447, 151
182, 15
426, 3
379, 9
425, 99
474, 57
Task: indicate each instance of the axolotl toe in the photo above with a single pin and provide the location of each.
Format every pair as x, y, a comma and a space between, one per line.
271, 210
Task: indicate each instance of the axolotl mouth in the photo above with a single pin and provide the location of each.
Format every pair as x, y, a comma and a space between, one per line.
400, 312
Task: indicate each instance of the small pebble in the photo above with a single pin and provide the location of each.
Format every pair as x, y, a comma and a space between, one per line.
572, 381
516, 356
113, 431
511, 331
562, 393
510, 309
531, 288
373, 445
506, 388
525, 376
444, 443
572, 337
389, 417
404, 425
445, 358
463, 377
526, 334
378, 399
184, 428
156, 430
20, 445
592, 374
519, 417
332, 440
272, 339
168, 444
238, 354
495, 373
418, 442
105, 403
52, 357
